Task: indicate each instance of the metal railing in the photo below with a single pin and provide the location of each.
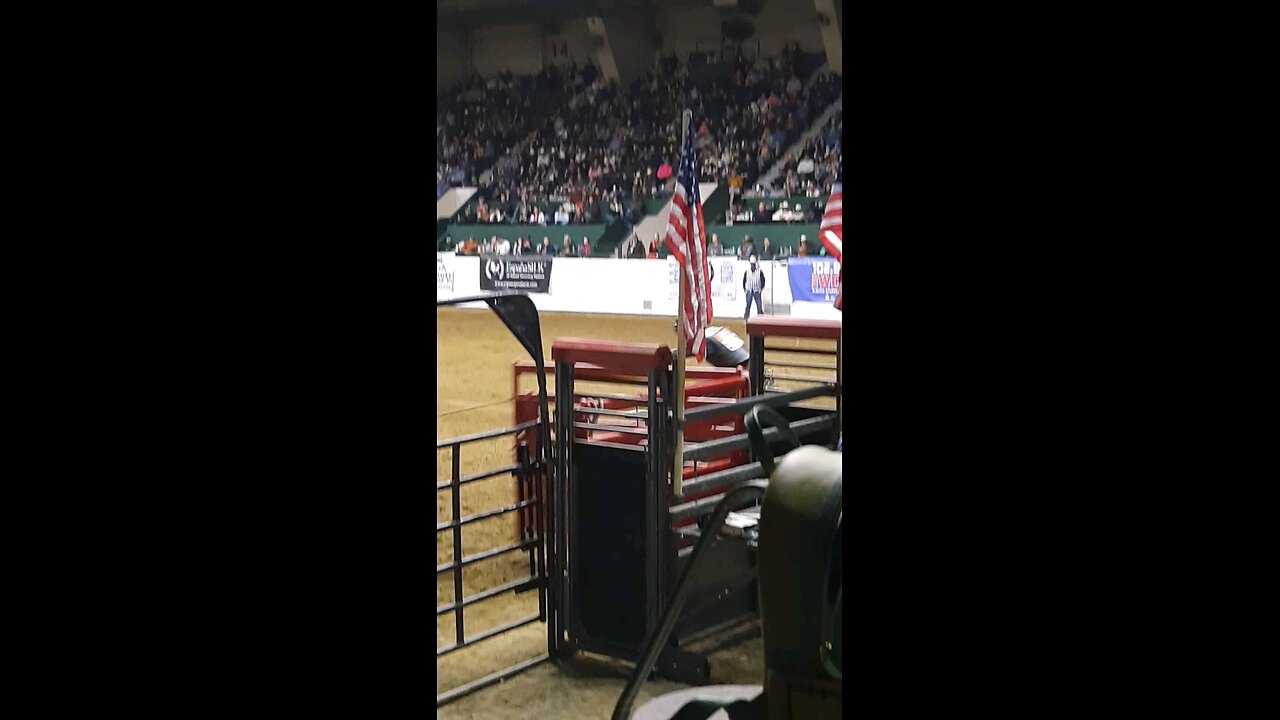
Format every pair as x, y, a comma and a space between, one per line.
529, 476
535, 492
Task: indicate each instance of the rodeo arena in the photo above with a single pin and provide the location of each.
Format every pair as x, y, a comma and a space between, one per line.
639, 391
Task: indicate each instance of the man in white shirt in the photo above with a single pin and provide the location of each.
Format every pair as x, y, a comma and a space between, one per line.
501, 246
753, 286
562, 216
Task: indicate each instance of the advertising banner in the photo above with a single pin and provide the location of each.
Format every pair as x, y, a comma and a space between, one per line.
444, 276
531, 274
813, 279
722, 285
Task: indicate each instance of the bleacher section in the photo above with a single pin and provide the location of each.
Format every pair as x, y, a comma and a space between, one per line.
570, 140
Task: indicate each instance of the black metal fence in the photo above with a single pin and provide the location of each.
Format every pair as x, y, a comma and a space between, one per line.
520, 316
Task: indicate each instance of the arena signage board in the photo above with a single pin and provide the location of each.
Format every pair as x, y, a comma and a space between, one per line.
506, 272
722, 285
635, 287
813, 279
444, 276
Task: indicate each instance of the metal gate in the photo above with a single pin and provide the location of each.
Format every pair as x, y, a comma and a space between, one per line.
531, 471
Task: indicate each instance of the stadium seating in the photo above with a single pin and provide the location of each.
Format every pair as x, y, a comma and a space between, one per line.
582, 150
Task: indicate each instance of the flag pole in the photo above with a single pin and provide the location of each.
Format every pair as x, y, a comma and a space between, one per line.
682, 345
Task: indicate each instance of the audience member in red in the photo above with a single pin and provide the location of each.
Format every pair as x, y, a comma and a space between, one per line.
653, 249
585, 250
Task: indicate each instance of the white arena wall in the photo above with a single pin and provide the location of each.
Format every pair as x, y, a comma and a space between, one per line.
632, 287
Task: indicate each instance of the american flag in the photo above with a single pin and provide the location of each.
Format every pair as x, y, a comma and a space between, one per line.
831, 232
686, 241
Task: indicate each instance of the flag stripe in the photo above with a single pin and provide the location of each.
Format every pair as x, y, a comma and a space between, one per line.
831, 233
686, 242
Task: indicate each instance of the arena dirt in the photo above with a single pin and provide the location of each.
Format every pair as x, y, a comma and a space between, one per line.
474, 356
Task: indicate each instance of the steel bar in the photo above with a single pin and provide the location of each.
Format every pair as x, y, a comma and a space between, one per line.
611, 412
495, 552
441, 652
801, 378
732, 476
711, 448
814, 351
481, 516
597, 427
658, 640
807, 366
771, 399
477, 298
702, 506
457, 546
505, 470
637, 399
441, 444
484, 682
482, 596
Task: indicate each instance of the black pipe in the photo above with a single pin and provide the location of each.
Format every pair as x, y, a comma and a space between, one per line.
711, 448
710, 534
742, 405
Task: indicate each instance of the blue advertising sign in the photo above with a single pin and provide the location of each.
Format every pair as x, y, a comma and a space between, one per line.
813, 279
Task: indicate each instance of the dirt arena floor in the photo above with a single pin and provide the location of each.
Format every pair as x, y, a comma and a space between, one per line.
474, 356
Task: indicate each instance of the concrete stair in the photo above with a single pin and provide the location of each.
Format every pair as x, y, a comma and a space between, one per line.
657, 223
453, 201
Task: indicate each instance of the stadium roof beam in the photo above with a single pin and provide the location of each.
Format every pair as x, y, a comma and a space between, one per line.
829, 26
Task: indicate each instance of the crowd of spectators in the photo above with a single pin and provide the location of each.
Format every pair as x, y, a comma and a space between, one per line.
568, 147
523, 245
789, 212
764, 251
632, 248
752, 118
478, 122
532, 167
815, 167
